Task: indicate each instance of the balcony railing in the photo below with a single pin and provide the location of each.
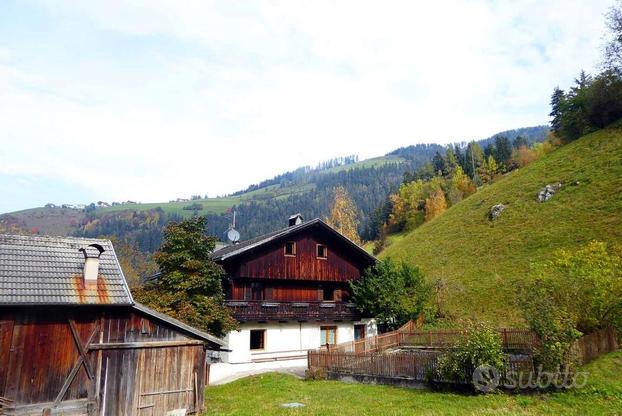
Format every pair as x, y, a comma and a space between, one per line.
265, 310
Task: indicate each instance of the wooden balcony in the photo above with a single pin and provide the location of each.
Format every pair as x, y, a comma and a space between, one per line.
265, 310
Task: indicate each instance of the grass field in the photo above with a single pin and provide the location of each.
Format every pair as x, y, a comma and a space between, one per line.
221, 204
480, 261
264, 394
374, 162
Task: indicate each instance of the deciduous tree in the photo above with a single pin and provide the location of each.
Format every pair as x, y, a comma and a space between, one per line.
392, 293
344, 216
190, 286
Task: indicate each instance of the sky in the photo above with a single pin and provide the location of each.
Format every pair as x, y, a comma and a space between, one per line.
153, 100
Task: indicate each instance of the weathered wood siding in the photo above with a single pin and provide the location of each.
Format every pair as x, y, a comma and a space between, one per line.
287, 291
136, 364
270, 261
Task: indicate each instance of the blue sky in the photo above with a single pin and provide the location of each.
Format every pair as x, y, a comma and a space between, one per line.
153, 100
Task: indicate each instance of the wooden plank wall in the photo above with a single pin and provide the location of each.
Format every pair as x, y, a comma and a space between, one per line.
288, 291
38, 352
270, 261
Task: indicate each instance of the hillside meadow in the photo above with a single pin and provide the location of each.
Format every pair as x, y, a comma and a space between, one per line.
479, 261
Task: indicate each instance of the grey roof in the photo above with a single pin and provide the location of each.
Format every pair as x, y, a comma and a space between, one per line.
180, 325
38, 270
244, 246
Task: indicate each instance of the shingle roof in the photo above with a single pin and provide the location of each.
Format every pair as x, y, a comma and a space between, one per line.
239, 248
38, 270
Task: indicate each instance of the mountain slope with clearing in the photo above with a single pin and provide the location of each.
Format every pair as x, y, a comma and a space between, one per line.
480, 261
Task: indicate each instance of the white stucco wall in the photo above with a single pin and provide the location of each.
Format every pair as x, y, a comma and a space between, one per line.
286, 340
285, 348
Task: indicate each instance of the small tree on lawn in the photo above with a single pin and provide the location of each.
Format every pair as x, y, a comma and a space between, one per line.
190, 287
392, 293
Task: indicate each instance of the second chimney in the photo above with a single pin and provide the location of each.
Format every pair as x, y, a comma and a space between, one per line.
295, 219
91, 263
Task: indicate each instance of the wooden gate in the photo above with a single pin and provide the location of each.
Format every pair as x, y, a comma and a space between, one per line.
151, 380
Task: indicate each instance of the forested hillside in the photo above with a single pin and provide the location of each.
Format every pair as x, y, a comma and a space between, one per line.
260, 208
476, 261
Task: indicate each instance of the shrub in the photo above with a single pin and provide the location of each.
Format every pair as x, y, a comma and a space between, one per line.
479, 345
570, 294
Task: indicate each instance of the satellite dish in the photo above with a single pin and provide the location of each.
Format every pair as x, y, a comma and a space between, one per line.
233, 235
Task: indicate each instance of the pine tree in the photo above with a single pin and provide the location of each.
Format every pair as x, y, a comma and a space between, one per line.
439, 164
519, 142
503, 150
343, 215
558, 99
451, 162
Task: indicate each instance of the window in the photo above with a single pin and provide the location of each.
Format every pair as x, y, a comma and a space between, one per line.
257, 292
290, 248
322, 252
359, 331
328, 335
258, 339
328, 293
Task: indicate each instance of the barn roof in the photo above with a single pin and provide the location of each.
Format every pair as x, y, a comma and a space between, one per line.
37, 270
180, 325
244, 246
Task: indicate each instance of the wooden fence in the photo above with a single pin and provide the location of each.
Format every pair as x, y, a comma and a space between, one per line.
590, 347
512, 340
414, 366
369, 358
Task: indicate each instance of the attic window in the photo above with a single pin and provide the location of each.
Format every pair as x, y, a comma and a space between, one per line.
290, 248
322, 251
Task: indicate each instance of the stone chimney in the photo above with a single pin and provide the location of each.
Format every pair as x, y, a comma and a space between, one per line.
91, 263
295, 219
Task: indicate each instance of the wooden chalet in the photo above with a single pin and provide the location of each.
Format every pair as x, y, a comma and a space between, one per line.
290, 291
73, 341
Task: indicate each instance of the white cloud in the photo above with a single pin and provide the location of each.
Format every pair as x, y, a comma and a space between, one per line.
211, 96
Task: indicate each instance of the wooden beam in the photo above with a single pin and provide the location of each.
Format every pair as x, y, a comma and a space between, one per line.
81, 350
68, 380
148, 344
82, 359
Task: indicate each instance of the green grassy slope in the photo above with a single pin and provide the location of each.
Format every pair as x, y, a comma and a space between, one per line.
264, 394
482, 260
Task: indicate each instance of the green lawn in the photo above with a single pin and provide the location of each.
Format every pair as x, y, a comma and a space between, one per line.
481, 261
263, 395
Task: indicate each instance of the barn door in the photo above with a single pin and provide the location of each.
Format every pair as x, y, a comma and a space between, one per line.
81, 349
167, 381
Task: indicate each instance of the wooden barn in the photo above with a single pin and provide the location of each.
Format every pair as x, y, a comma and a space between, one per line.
73, 341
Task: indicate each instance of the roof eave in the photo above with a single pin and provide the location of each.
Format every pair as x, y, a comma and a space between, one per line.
178, 324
